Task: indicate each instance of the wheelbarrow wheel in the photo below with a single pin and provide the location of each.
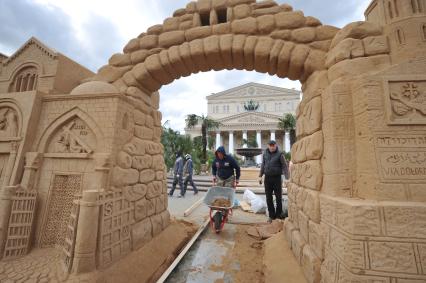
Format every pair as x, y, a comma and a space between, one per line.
218, 221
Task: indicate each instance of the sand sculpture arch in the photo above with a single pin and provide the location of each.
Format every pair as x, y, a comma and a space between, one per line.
217, 35
267, 38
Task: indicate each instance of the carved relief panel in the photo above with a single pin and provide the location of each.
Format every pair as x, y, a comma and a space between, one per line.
402, 158
9, 126
406, 102
63, 191
74, 137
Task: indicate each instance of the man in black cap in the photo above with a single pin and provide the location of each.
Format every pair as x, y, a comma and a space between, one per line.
273, 166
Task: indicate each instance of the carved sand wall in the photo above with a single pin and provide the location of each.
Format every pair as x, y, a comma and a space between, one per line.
335, 156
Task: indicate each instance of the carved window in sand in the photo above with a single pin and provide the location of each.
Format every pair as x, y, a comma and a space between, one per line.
417, 6
8, 122
423, 31
25, 80
400, 36
73, 138
64, 189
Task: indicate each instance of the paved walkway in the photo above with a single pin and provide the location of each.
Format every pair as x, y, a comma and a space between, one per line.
44, 265
40, 265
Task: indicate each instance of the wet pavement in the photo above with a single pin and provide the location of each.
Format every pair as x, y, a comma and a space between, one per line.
204, 261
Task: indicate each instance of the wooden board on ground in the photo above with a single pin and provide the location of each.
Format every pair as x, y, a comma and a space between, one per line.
245, 206
193, 207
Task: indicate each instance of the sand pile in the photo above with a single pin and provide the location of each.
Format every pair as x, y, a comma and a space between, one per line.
221, 202
148, 263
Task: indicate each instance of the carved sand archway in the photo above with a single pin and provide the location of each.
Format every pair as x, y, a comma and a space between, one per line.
274, 39
264, 37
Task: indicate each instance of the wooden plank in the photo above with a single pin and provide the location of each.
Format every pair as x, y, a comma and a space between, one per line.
183, 253
193, 207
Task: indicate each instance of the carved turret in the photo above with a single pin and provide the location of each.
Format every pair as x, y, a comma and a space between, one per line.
404, 23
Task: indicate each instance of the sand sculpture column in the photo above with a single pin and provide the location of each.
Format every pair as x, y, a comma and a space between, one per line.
32, 164
103, 166
87, 228
10, 163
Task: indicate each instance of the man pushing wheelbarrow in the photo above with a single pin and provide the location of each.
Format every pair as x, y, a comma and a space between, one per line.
220, 197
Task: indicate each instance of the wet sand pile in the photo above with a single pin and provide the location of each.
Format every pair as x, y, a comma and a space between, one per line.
243, 263
148, 263
221, 202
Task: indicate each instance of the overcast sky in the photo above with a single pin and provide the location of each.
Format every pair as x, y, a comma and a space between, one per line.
90, 31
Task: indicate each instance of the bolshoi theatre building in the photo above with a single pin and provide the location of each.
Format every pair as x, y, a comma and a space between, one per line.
247, 112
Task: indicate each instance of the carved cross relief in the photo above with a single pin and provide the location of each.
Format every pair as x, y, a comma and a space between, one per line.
407, 102
74, 137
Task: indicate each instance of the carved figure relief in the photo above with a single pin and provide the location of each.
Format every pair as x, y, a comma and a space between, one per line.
74, 137
407, 102
8, 122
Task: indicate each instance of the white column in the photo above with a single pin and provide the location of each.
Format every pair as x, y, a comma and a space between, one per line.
259, 145
245, 138
217, 139
284, 143
272, 135
231, 142
287, 141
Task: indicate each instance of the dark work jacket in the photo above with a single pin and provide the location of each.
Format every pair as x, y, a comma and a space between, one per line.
224, 168
273, 164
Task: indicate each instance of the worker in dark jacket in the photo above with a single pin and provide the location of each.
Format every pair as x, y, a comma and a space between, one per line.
188, 170
225, 169
273, 166
177, 175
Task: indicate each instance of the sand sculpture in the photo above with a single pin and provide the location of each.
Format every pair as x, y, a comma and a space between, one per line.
358, 185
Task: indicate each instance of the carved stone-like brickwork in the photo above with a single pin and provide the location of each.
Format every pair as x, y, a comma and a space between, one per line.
62, 194
373, 239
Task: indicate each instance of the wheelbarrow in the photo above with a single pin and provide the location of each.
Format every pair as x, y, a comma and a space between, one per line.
219, 214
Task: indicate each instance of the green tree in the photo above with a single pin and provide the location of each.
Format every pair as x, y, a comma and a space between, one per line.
173, 142
206, 124
288, 124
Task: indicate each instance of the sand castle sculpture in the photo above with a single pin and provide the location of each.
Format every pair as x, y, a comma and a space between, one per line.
81, 165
